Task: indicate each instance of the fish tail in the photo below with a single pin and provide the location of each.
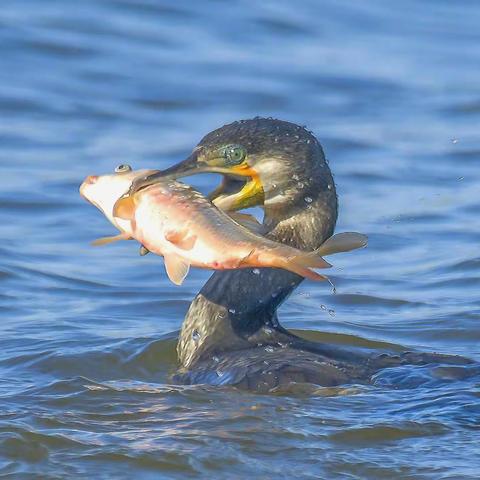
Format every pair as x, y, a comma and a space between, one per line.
302, 264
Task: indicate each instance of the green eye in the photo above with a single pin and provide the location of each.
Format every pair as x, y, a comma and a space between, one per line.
123, 168
234, 154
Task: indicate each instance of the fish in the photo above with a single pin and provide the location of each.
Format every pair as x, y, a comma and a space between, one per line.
103, 191
173, 220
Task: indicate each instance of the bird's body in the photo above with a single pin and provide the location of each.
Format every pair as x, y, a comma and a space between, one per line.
233, 309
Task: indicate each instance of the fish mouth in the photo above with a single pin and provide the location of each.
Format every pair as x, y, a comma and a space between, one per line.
240, 186
91, 179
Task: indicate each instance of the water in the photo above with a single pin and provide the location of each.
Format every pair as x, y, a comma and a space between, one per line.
87, 335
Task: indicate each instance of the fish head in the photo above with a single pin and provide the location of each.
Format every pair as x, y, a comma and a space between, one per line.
103, 191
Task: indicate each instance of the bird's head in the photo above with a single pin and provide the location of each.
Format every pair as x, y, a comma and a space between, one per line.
263, 162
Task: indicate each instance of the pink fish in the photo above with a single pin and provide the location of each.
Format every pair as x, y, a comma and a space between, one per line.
177, 222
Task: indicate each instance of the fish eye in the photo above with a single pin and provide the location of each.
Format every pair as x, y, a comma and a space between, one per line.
123, 168
234, 154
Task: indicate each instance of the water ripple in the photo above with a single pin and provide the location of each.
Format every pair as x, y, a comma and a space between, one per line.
87, 350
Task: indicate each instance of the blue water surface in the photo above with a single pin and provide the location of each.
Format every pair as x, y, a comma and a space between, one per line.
87, 335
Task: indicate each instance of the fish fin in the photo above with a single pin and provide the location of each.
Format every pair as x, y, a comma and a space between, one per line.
181, 239
144, 251
106, 240
342, 242
247, 221
177, 268
124, 208
245, 260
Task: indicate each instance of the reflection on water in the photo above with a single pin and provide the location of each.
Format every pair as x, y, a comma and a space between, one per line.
392, 91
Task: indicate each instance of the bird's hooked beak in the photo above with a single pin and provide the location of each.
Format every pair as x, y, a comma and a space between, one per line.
240, 187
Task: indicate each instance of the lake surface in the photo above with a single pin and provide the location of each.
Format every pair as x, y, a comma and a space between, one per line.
87, 335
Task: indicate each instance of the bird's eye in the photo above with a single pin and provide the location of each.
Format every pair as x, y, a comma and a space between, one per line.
123, 168
234, 154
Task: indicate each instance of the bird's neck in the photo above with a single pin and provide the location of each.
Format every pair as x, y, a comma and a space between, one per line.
237, 307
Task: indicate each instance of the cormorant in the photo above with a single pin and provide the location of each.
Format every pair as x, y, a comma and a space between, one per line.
231, 333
